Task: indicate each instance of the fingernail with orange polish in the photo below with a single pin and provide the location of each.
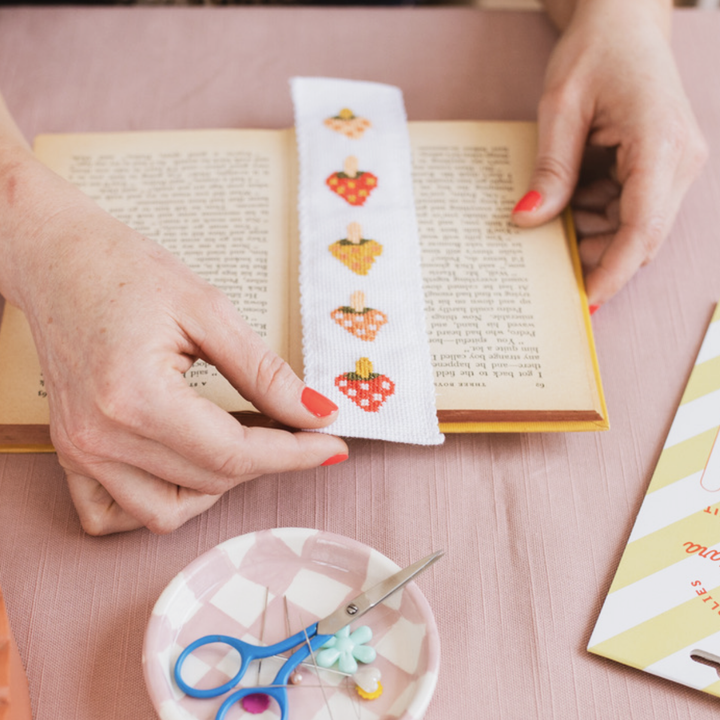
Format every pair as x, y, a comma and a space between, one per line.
593, 308
317, 404
529, 202
334, 460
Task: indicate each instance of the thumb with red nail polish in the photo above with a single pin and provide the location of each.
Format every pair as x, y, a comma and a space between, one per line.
528, 203
317, 404
561, 140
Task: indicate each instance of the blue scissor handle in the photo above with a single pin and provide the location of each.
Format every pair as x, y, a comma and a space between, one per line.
249, 652
278, 691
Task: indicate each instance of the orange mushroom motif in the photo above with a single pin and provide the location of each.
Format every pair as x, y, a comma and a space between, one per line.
361, 321
348, 124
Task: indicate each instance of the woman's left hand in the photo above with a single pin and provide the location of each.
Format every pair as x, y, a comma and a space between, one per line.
612, 92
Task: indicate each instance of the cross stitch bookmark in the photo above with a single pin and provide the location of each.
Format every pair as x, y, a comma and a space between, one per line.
359, 240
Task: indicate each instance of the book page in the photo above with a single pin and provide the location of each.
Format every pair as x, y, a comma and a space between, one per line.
22, 390
502, 304
218, 200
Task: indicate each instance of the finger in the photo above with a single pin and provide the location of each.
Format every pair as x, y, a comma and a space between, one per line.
160, 424
613, 213
159, 505
211, 438
654, 183
656, 179
98, 512
125, 498
189, 441
592, 248
596, 196
593, 223
258, 373
563, 128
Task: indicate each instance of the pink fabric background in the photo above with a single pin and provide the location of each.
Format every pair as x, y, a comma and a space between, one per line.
533, 525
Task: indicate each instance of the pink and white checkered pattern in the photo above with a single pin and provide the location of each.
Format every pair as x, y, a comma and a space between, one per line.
225, 591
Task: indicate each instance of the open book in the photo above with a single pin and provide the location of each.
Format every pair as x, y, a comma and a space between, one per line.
506, 311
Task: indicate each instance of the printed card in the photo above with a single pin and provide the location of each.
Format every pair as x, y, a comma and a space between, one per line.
662, 613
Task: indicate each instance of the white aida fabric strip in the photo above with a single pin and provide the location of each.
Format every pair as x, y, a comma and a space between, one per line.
364, 338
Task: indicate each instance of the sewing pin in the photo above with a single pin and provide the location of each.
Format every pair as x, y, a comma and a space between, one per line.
317, 670
257, 703
296, 677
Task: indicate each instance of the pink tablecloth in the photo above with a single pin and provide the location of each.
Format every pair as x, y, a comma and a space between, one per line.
533, 525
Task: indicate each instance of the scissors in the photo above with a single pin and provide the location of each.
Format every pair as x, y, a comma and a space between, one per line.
308, 640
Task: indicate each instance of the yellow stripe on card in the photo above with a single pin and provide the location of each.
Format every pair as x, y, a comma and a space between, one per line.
655, 639
664, 547
704, 379
713, 689
681, 460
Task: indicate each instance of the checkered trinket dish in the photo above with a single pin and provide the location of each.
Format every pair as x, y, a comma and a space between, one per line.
261, 586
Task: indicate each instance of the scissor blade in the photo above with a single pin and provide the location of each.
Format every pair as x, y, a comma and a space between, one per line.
359, 605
